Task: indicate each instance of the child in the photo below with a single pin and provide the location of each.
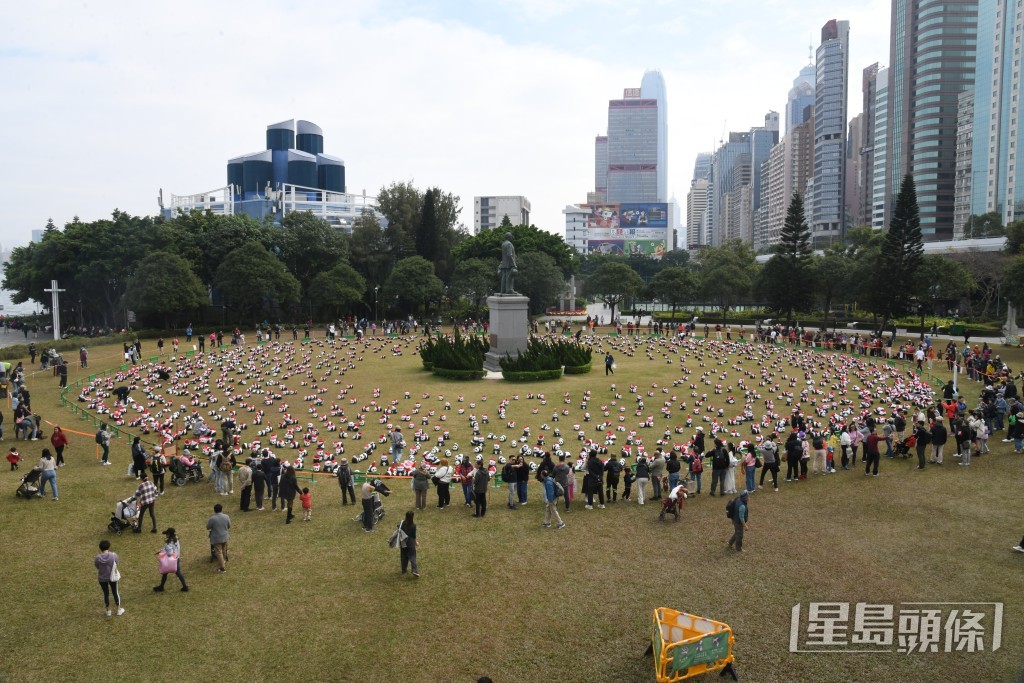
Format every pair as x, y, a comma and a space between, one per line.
307, 504
627, 479
14, 457
174, 344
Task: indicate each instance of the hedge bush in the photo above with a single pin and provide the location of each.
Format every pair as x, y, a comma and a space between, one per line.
578, 369
463, 356
539, 355
531, 375
571, 352
459, 374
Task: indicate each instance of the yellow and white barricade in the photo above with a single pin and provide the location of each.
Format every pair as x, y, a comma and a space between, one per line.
685, 645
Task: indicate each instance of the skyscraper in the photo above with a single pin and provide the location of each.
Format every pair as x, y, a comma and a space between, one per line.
632, 159
697, 201
932, 60
828, 204
880, 151
801, 96
998, 179
721, 180
964, 166
869, 88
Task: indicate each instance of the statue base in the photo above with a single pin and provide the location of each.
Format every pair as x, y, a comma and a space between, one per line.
509, 328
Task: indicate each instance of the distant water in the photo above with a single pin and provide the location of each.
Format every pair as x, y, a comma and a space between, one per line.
9, 308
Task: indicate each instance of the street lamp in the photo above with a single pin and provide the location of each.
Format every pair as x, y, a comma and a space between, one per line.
375, 288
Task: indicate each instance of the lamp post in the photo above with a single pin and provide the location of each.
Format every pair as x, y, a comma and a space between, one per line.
375, 288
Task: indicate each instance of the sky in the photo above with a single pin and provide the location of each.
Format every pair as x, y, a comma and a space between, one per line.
105, 103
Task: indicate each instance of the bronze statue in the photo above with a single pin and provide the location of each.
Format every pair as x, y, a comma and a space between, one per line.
507, 270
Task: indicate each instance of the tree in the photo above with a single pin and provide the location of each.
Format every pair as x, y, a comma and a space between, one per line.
941, 279
675, 285
309, 246
987, 268
526, 238
786, 280
163, 287
372, 255
831, 274
427, 229
986, 225
505, 222
901, 256
540, 279
1013, 281
613, 282
337, 290
1015, 238
727, 273
476, 278
412, 284
254, 282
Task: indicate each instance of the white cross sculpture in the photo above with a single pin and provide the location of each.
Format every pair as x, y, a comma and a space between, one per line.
55, 307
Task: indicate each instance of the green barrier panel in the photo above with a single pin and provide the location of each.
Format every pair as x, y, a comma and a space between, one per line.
154, 359
189, 354
124, 367
91, 378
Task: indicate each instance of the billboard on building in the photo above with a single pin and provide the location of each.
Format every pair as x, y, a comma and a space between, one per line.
647, 215
602, 215
608, 247
651, 248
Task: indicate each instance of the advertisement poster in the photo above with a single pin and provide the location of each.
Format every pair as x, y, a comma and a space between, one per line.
708, 649
650, 248
616, 247
649, 215
603, 216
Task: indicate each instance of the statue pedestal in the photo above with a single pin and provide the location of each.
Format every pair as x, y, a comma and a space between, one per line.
509, 328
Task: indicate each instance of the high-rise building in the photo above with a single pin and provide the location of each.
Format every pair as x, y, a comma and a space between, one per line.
964, 165
932, 60
997, 177
852, 191
739, 207
761, 142
489, 212
801, 96
828, 202
632, 159
869, 88
721, 180
880, 152
697, 201
576, 232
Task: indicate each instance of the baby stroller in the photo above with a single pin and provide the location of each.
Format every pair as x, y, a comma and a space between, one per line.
379, 489
123, 516
183, 471
29, 486
672, 504
903, 448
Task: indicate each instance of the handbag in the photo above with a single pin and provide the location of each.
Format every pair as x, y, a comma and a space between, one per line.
398, 538
167, 564
115, 574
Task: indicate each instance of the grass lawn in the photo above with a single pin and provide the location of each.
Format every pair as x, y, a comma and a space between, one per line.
501, 596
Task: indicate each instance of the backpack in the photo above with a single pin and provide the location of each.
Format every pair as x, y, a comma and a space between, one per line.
721, 459
99, 437
225, 463
730, 508
818, 443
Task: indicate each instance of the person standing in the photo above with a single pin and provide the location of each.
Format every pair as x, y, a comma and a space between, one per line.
103, 440
939, 437
59, 441
592, 483
845, 443
245, 482
158, 468
561, 474
420, 486
138, 457
109, 574
145, 495
48, 468
408, 551
740, 515
770, 455
444, 482
612, 469
509, 474
871, 453
171, 549
481, 480
259, 484
551, 501
272, 468
794, 451
673, 467
643, 473
719, 467
346, 482
306, 499
397, 444
289, 489
62, 372
366, 492
522, 479
657, 470
464, 475
219, 525
609, 364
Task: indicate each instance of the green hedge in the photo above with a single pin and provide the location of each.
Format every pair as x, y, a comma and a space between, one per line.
428, 365
578, 369
19, 351
459, 374
531, 375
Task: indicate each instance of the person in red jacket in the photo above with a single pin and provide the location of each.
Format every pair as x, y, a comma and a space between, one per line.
871, 455
60, 441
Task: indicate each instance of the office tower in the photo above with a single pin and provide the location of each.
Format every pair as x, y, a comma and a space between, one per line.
998, 180
721, 180
631, 161
931, 61
801, 96
869, 89
761, 142
702, 166
828, 204
852, 191
880, 152
964, 165
738, 207
778, 200
576, 232
696, 207
488, 212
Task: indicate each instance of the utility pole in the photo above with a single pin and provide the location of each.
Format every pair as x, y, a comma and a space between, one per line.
55, 307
